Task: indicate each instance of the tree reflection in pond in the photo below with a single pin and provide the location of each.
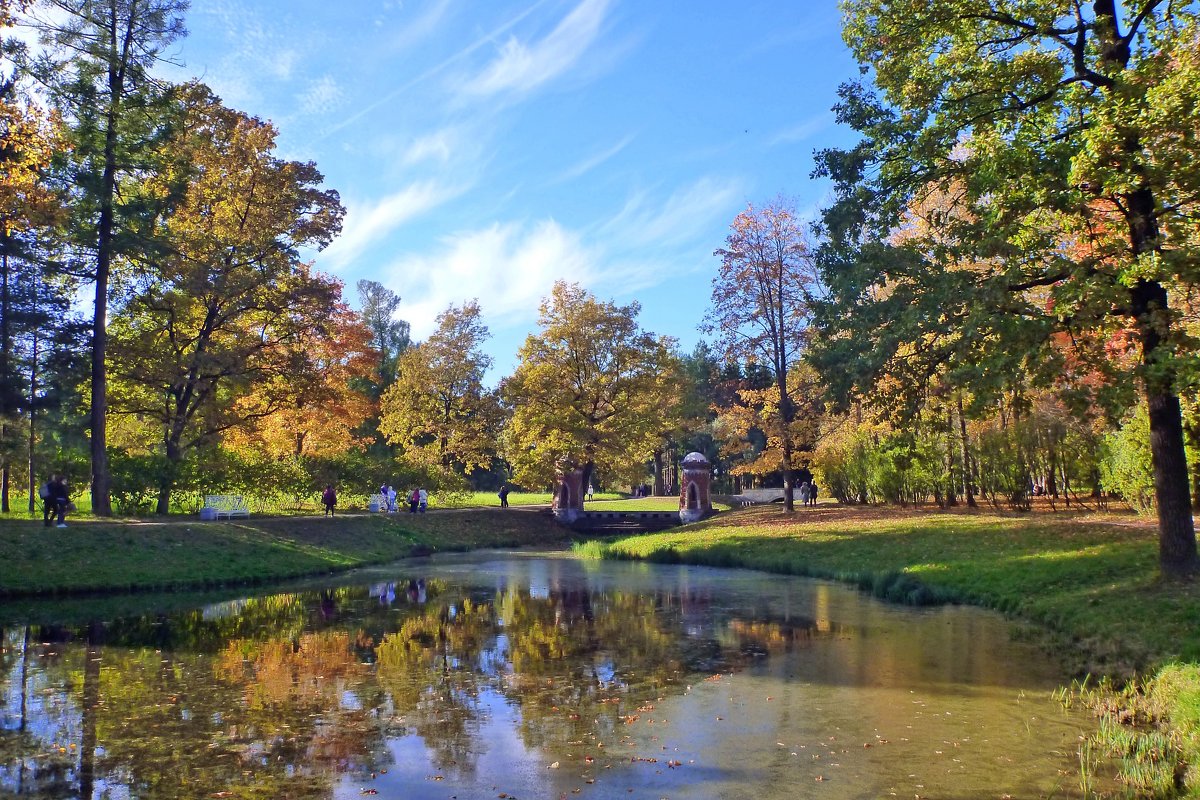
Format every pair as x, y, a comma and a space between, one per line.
296, 695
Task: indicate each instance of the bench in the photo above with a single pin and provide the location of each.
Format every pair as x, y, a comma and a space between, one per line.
224, 505
376, 502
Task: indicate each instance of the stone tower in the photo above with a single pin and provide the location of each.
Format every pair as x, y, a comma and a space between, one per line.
694, 501
568, 494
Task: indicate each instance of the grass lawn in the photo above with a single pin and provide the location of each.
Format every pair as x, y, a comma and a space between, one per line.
116, 555
346, 502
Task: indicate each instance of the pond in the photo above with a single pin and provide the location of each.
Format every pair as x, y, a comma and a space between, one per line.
516, 675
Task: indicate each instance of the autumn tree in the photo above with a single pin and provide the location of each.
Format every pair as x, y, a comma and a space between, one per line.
760, 307
326, 408
98, 70
592, 388
438, 409
1063, 125
228, 311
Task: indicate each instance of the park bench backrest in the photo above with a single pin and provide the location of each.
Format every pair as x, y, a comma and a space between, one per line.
227, 503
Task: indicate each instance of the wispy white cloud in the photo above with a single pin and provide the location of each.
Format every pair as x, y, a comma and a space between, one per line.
368, 223
509, 268
687, 214
430, 73
521, 67
438, 147
419, 27
322, 96
592, 161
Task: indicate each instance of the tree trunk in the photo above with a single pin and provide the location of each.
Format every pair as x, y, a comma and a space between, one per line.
659, 481
6, 371
166, 482
964, 444
786, 414
1176, 533
951, 497
101, 479
33, 475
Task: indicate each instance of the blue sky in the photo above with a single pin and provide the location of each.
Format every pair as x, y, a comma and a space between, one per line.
486, 149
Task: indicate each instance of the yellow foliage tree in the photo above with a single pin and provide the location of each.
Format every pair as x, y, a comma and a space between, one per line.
592, 388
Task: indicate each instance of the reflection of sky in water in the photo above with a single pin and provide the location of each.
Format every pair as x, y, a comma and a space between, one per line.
539, 676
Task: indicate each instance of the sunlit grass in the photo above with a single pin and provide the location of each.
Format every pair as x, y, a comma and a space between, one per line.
174, 554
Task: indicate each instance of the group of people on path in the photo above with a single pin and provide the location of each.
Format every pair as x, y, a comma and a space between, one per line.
418, 501
56, 500
808, 493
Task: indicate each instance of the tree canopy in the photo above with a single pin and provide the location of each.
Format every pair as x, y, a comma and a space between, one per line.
437, 409
1063, 141
592, 388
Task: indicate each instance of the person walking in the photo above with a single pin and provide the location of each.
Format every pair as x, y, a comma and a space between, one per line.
329, 499
414, 500
503, 495
46, 492
423, 497
61, 496
813, 494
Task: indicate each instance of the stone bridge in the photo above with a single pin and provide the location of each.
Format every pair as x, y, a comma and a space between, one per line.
694, 500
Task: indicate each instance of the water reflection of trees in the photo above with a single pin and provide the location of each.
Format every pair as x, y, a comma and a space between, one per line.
278, 695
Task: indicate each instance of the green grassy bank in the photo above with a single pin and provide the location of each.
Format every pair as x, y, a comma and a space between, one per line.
177, 554
1091, 579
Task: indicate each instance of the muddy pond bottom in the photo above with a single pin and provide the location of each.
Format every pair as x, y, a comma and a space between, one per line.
506, 675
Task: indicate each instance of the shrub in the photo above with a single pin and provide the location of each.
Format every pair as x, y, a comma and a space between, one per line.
1125, 466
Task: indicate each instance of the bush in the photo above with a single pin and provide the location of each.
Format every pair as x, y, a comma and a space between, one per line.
1125, 465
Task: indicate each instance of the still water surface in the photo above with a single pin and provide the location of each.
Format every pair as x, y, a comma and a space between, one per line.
534, 676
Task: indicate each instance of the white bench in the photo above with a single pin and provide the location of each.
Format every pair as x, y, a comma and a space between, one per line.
376, 502
224, 505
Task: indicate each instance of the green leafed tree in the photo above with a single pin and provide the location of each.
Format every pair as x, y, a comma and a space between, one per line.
389, 335
592, 388
98, 70
1064, 137
438, 409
